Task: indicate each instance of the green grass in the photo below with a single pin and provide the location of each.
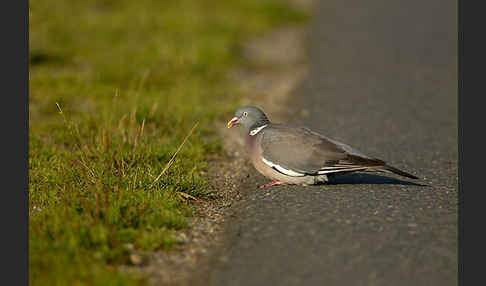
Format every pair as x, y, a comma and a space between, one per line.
131, 79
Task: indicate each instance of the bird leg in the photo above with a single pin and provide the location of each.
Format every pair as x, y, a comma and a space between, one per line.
272, 183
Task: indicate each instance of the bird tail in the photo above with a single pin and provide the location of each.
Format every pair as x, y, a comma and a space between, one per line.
390, 169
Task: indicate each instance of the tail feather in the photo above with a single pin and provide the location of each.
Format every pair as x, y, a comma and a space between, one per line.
390, 169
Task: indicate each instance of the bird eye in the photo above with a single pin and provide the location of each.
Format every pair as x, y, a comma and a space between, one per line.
245, 113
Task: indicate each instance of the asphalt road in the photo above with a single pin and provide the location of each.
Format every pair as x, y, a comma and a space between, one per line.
383, 79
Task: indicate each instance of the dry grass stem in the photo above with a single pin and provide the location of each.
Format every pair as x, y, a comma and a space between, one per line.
175, 154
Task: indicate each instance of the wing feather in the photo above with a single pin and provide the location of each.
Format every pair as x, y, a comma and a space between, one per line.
300, 150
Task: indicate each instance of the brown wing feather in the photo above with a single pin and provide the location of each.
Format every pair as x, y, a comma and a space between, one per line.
302, 150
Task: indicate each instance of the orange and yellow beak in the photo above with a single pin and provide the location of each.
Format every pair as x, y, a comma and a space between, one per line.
232, 122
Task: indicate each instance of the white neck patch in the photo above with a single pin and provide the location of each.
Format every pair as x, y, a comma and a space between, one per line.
256, 130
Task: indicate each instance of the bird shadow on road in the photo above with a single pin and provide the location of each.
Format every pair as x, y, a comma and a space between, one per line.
360, 178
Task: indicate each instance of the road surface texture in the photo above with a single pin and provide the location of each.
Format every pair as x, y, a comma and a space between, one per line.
383, 79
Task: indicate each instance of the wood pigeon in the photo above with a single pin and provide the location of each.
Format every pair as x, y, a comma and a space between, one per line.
298, 155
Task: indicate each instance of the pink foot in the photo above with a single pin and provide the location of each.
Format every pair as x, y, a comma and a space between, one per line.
272, 183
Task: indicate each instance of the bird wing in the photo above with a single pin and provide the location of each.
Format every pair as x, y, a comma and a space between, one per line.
297, 151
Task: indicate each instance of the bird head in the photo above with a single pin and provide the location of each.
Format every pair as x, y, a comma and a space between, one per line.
250, 117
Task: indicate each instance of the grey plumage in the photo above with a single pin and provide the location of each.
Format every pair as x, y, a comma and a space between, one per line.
298, 155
